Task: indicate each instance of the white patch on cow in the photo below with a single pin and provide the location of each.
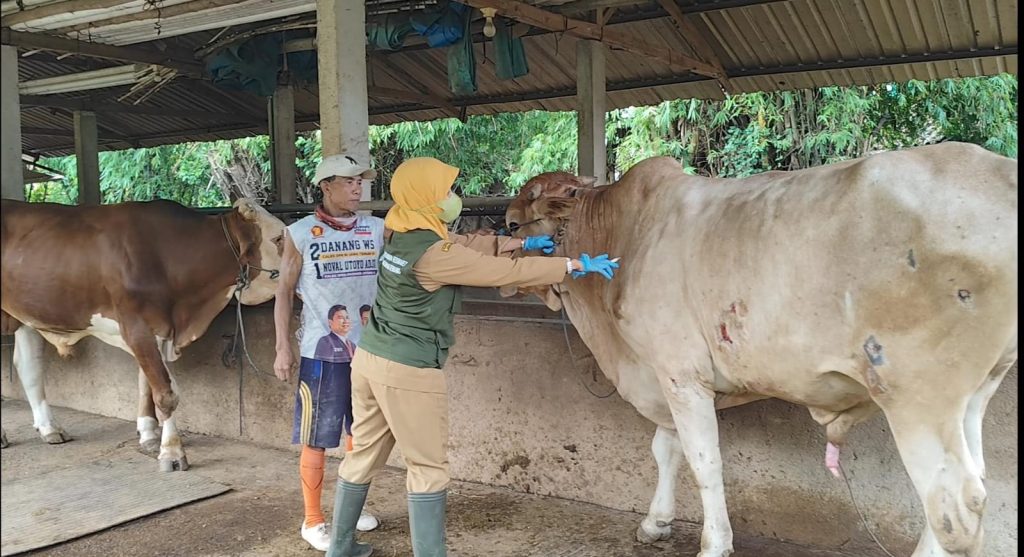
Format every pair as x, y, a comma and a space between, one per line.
146, 426
170, 442
168, 351
28, 360
107, 330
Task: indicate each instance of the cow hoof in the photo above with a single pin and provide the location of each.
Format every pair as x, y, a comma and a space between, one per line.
650, 532
150, 446
173, 465
56, 437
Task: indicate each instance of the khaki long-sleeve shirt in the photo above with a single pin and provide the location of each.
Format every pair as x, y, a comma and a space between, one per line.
485, 261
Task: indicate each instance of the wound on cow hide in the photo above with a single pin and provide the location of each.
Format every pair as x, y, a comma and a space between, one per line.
965, 298
874, 351
731, 320
724, 333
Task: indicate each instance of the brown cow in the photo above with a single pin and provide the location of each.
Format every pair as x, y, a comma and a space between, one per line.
148, 278
887, 283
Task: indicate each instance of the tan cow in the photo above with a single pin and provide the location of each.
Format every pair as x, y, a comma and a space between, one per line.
148, 278
883, 283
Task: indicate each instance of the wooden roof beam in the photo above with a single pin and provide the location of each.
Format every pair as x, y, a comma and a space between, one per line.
162, 13
97, 50
56, 8
551, 21
409, 96
52, 101
692, 35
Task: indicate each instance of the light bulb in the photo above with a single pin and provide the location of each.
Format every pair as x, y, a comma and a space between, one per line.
489, 24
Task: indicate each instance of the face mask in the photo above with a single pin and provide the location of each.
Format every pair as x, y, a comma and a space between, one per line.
451, 208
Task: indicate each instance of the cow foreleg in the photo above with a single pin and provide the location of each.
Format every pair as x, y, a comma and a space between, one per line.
172, 453
28, 360
657, 525
693, 411
142, 342
146, 423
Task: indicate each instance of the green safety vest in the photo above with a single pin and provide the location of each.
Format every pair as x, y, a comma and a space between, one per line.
408, 324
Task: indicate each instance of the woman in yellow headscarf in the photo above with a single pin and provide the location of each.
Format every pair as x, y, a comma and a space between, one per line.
399, 393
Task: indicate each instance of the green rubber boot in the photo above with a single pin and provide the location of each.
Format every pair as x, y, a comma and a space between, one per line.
348, 504
426, 521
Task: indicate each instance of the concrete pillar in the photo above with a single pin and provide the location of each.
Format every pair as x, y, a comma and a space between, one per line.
282, 143
87, 158
341, 56
590, 110
10, 131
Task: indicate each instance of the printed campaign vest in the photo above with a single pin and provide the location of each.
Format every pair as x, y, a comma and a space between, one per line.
337, 285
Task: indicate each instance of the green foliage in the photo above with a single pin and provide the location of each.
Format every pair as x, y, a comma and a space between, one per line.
496, 153
737, 136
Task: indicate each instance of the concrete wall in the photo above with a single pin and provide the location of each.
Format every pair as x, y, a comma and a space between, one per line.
521, 417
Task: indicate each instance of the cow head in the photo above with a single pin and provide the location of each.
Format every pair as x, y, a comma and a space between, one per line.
540, 208
543, 202
260, 238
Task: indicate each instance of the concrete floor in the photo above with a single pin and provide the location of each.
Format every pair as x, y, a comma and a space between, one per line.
261, 515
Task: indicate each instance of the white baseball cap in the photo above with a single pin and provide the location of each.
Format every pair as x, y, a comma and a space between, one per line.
342, 165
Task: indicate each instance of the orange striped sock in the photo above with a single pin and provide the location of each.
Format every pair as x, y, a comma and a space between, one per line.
311, 472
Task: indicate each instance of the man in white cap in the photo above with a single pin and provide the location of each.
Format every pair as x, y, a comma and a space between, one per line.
329, 259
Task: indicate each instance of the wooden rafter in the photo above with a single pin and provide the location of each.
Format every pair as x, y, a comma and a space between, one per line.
692, 35
551, 21
163, 13
100, 107
56, 8
409, 96
97, 50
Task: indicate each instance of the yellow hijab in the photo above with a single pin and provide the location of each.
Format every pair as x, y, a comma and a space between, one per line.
417, 186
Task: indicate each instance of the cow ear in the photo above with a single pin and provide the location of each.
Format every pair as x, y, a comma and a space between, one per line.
558, 207
247, 208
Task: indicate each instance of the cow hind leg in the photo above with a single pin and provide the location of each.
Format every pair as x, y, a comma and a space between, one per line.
146, 423
693, 411
657, 525
28, 360
949, 482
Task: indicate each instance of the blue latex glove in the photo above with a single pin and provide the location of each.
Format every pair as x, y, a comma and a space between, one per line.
600, 264
543, 243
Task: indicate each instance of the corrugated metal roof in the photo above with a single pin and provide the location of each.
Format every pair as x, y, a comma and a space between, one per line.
763, 45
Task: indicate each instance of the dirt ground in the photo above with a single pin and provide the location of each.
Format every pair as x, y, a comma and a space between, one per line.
260, 516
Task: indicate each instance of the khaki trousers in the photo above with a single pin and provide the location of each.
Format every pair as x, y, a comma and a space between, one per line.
392, 402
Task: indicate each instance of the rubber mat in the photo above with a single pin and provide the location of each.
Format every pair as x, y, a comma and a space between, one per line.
65, 504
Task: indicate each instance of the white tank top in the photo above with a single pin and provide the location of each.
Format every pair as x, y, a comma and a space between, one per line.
338, 269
